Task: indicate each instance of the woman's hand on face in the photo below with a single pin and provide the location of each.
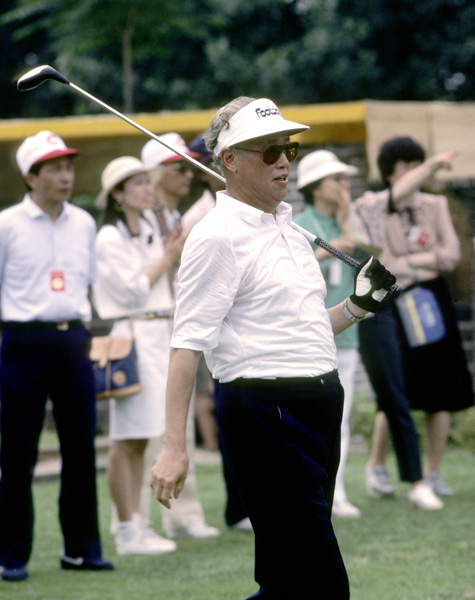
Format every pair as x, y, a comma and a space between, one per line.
344, 208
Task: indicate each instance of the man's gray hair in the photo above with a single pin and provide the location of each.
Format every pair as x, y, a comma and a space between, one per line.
220, 121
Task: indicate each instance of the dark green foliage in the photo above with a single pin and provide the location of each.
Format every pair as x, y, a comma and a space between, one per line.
187, 54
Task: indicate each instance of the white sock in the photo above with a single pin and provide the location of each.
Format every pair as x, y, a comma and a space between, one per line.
126, 530
137, 519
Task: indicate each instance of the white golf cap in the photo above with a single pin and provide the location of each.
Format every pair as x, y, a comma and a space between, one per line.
155, 154
115, 172
320, 164
45, 145
258, 119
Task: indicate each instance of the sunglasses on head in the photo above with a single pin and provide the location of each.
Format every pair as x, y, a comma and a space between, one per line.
271, 154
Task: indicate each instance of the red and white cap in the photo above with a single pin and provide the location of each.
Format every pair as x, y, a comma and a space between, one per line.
257, 119
45, 145
155, 154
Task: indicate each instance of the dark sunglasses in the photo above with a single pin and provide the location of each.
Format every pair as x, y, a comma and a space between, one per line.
271, 154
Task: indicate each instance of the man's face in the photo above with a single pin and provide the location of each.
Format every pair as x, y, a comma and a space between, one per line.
54, 181
177, 178
257, 184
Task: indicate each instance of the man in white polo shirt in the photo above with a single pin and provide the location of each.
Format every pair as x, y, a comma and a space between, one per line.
250, 296
47, 263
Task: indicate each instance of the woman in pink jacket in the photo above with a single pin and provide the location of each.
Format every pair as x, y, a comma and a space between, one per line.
421, 365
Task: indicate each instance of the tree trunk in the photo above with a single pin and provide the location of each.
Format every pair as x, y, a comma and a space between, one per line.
127, 69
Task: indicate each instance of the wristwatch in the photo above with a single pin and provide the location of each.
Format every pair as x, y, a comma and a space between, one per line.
348, 314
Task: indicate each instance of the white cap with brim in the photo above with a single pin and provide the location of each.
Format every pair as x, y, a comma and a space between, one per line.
115, 172
257, 119
155, 154
320, 164
45, 145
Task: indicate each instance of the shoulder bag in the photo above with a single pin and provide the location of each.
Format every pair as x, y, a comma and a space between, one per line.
115, 367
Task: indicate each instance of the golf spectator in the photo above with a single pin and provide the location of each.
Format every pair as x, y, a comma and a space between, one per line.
133, 260
47, 263
419, 244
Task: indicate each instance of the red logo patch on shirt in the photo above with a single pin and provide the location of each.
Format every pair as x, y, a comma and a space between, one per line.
424, 238
57, 281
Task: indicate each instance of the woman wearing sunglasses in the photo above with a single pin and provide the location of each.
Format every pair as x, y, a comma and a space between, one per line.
250, 296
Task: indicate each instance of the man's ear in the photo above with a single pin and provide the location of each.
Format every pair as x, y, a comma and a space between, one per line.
228, 158
30, 180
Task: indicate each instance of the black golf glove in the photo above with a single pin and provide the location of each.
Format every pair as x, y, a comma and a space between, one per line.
372, 281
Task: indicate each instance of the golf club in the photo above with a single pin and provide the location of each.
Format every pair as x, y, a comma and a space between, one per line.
39, 75
395, 290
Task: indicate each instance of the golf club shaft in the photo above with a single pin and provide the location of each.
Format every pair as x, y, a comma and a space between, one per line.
40, 74
146, 131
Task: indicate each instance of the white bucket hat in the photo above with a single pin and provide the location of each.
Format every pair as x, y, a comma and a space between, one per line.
257, 119
155, 154
45, 145
115, 172
320, 164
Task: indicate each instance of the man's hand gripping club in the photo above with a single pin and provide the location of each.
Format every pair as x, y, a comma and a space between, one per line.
372, 280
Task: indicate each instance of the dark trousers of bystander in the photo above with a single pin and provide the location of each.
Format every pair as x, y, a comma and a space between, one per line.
36, 363
381, 355
281, 441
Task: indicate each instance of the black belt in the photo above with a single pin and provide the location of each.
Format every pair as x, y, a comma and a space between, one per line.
279, 382
57, 325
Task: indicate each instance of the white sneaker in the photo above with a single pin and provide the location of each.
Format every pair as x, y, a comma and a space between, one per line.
144, 542
422, 496
377, 482
195, 530
345, 509
438, 485
243, 525
152, 537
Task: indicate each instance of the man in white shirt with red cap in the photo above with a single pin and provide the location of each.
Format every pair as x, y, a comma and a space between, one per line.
47, 263
250, 296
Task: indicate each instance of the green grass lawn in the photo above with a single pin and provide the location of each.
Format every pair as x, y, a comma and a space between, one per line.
393, 552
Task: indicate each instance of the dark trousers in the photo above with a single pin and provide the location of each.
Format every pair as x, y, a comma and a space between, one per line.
281, 442
381, 355
234, 510
36, 364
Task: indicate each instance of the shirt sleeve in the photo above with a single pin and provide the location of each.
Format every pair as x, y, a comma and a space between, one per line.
208, 280
119, 270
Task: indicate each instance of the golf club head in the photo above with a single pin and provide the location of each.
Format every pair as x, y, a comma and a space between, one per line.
37, 76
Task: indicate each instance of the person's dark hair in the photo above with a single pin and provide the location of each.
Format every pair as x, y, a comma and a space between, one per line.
396, 149
34, 169
307, 191
113, 212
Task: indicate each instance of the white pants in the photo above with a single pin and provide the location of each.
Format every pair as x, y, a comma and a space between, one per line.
347, 362
187, 509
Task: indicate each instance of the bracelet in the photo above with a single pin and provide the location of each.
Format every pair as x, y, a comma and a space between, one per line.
349, 315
